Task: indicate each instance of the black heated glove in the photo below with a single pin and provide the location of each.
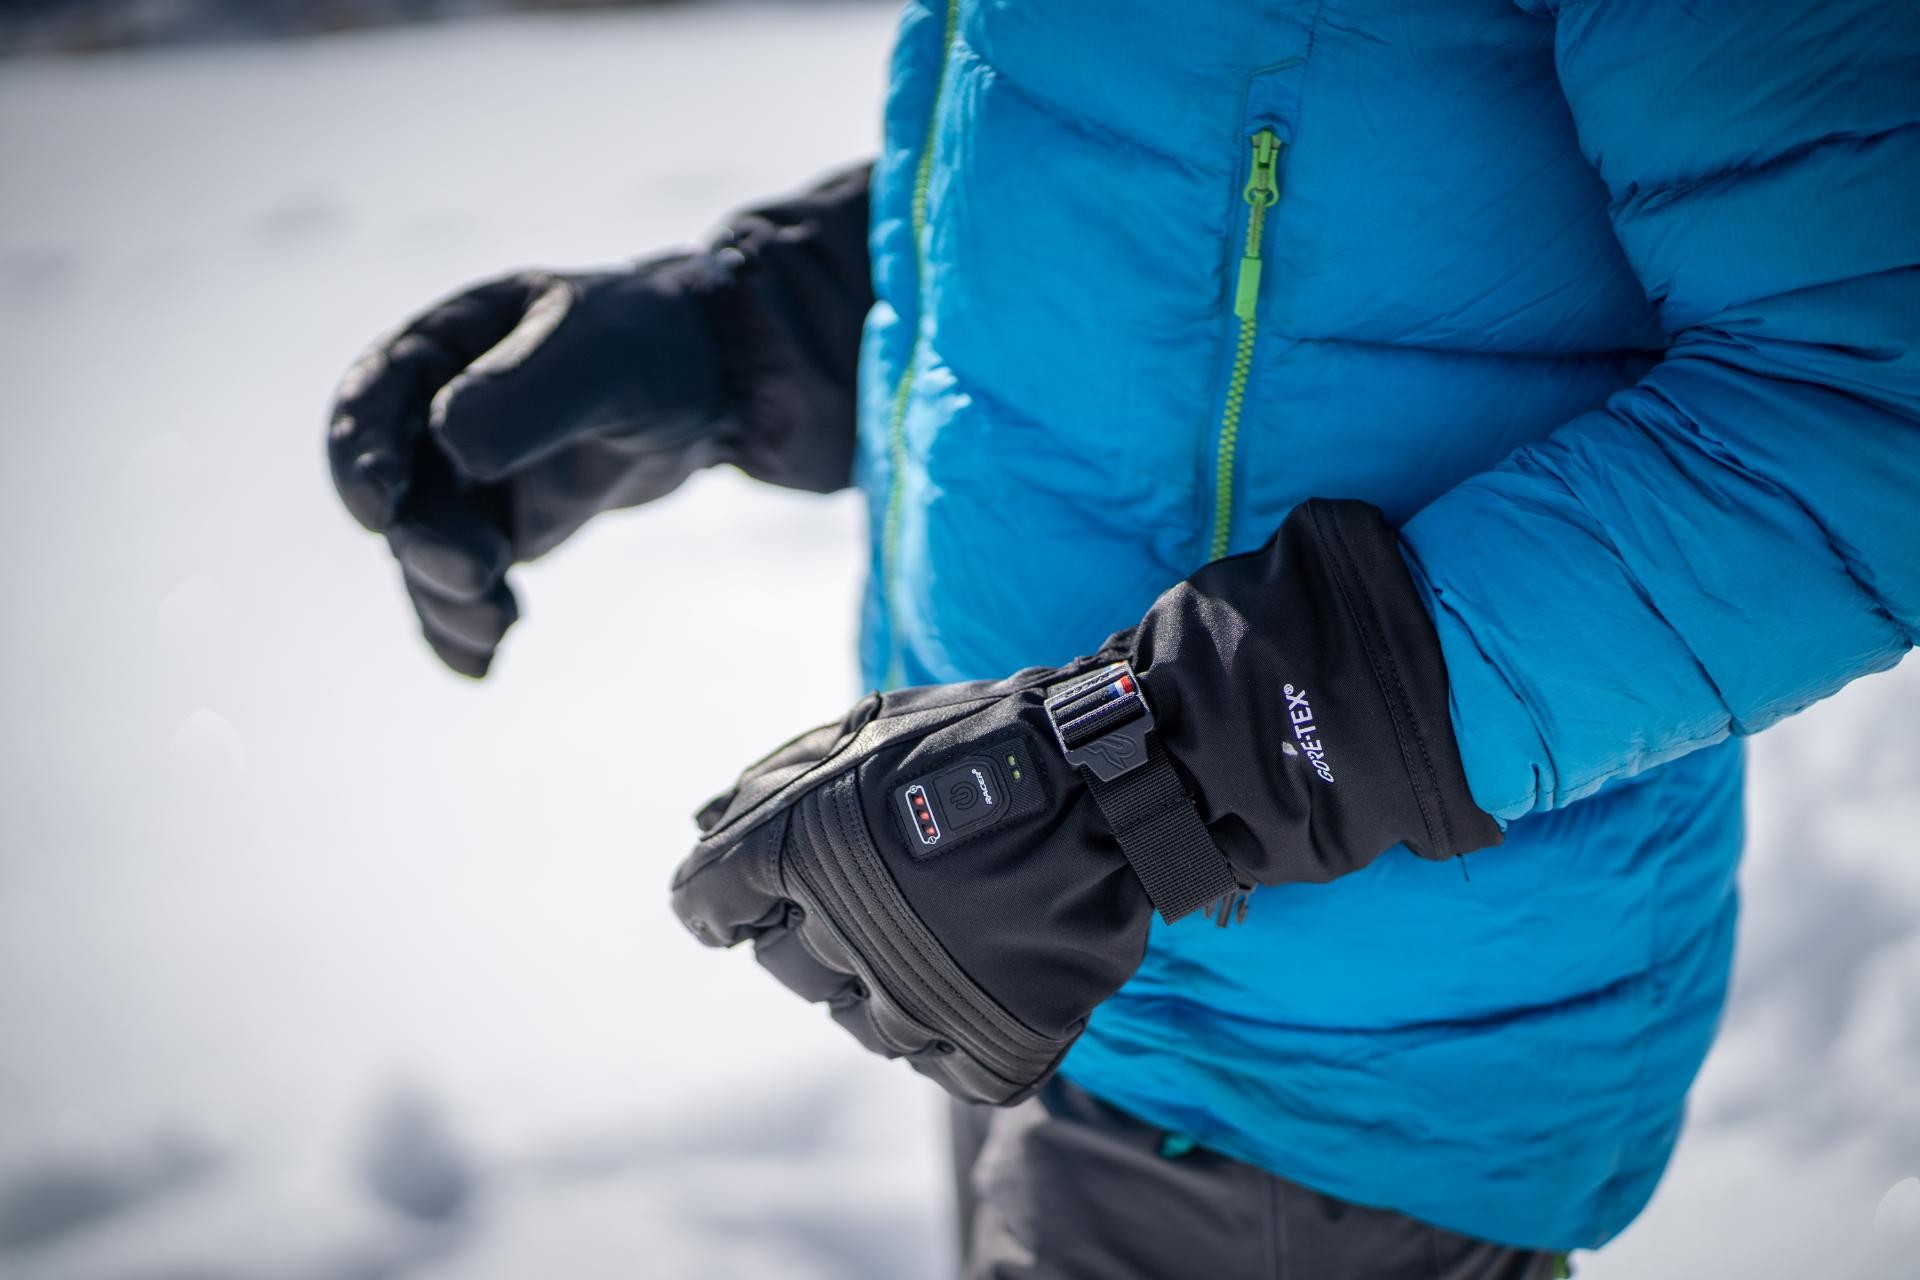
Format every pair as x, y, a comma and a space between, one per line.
487, 430
962, 872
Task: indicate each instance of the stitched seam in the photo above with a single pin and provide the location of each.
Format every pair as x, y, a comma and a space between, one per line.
1074, 121
828, 885
1389, 682
856, 743
937, 986
1442, 351
1375, 655
1665, 191
1641, 591
822, 891
1020, 1039
799, 935
892, 977
1717, 452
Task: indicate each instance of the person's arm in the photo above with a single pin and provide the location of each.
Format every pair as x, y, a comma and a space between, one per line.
1738, 535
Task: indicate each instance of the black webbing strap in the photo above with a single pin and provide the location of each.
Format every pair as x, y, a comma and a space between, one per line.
1104, 725
1160, 831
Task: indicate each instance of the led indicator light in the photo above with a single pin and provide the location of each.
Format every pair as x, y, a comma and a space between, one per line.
928, 825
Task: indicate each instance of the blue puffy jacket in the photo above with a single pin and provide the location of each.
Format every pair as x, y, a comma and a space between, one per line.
1613, 306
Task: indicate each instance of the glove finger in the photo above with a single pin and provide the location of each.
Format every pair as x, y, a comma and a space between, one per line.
811, 961
380, 407
782, 953
446, 537
454, 557
882, 1027
491, 421
728, 892
465, 662
558, 492
454, 560
464, 633
634, 368
855, 1016
785, 953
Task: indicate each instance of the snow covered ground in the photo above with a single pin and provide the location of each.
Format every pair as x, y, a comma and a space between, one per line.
318, 963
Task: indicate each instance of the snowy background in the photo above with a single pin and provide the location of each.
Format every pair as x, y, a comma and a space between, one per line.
318, 963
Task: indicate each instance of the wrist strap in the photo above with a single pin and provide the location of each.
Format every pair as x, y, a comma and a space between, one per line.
1103, 726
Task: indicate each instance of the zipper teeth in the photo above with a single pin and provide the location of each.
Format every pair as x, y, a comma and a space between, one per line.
1236, 402
1230, 441
1249, 327
897, 416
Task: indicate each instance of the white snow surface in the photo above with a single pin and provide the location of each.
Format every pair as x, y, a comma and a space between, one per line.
318, 963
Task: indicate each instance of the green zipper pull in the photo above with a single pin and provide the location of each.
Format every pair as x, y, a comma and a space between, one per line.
1262, 191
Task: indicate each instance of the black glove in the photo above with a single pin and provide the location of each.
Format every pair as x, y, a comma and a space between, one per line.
962, 872
487, 430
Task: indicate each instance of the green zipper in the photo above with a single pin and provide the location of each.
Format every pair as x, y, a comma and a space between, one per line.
897, 418
1261, 192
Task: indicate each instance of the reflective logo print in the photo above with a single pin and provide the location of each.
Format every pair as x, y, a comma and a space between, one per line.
1300, 712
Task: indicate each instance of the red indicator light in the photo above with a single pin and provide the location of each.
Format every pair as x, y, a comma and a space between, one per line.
923, 814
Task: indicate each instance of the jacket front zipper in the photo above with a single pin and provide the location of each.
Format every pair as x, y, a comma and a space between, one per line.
1261, 193
903, 388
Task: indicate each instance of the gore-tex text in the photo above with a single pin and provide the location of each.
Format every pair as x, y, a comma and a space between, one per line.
1307, 732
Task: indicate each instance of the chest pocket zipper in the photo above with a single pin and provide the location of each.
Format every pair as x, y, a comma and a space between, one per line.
1261, 193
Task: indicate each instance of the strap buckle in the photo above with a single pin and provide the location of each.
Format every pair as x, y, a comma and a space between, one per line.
1101, 721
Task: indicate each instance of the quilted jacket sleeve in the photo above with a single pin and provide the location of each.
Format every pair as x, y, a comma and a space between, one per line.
1737, 535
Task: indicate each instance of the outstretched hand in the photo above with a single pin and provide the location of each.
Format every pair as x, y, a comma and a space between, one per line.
489, 428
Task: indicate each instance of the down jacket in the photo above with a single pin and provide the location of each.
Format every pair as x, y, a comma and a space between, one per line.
1613, 307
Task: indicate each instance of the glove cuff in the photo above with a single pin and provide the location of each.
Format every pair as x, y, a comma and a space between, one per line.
785, 293
1391, 625
1302, 690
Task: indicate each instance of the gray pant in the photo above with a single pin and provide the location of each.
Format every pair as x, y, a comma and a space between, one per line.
1065, 1187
